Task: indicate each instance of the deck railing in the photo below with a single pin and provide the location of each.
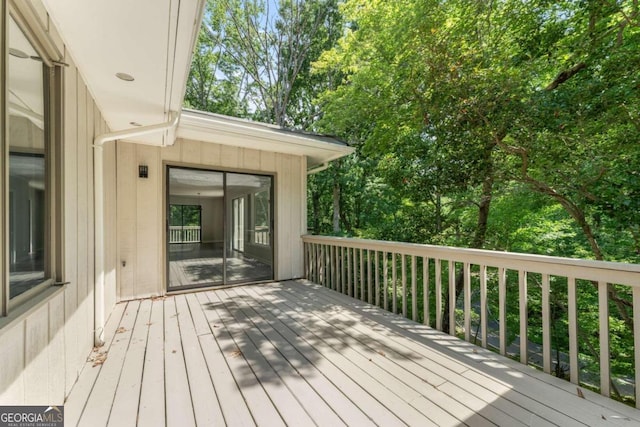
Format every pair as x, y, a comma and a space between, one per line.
420, 282
184, 234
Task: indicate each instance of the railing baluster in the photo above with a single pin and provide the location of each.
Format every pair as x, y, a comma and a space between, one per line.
546, 325
343, 272
467, 301
321, 270
414, 288
394, 284
636, 341
502, 303
362, 275
603, 311
524, 317
403, 266
438, 266
377, 276
369, 281
355, 272
483, 305
425, 290
305, 253
332, 256
452, 298
349, 282
385, 272
572, 315
316, 258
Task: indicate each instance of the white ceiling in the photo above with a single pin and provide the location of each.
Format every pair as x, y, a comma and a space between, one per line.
151, 40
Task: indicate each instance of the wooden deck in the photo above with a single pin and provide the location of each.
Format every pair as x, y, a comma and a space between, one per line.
298, 354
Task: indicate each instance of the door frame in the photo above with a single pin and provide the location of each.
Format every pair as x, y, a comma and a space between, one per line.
167, 166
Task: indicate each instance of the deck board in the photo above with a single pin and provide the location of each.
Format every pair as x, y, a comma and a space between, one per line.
151, 410
295, 353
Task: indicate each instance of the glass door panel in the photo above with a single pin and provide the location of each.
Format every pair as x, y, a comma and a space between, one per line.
249, 256
195, 234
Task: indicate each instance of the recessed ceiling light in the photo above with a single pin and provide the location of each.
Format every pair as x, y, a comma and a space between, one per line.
126, 77
17, 53
135, 124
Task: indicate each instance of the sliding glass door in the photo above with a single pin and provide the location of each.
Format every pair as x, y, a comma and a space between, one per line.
219, 228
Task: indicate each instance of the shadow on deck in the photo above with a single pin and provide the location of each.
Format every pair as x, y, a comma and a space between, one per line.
294, 353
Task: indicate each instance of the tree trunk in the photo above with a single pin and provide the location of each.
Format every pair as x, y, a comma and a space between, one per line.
315, 215
336, 206
479, 238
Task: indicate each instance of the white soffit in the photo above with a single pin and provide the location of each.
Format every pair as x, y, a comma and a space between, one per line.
225, 130
152, 40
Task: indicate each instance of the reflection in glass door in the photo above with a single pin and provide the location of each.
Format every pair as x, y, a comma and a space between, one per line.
218, 228
249, 257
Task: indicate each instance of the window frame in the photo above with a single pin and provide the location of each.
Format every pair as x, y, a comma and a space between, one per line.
27, 20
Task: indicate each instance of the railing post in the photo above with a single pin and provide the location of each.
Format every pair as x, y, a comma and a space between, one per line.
438, 266
483, 305
425, 290
385, 269
403, 267
467, 301
524, 317
452, 298
414, 288
377, 276
502, 303
603, 310
636, 341
572, 315
394, 284
546, 325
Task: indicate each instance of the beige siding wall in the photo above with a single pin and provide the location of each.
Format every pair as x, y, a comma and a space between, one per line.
44, 343
141, 206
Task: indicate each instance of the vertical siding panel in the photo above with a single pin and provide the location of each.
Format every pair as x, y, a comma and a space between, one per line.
127, 207
70, 152
191, 152
83, 223
11, 374
267, 161
56, 351
251, 159
90, 133
229, 156
36, 363
173, 152
148, 228
210, 154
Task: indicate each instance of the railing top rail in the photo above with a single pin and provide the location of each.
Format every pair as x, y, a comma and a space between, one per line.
612, 272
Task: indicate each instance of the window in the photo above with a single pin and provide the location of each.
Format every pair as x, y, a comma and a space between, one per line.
28, 154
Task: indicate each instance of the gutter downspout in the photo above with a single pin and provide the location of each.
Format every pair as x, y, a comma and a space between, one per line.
98, 200
317, 169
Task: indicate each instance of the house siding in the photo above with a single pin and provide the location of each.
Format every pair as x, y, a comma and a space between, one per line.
141, 205
43, 349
